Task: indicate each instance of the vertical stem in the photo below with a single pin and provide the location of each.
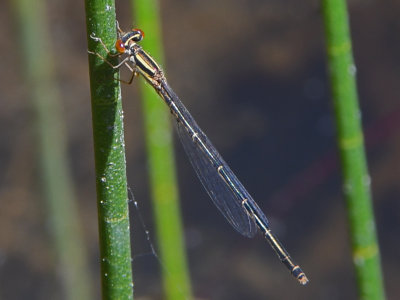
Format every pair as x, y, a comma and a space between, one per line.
108, 132
51, 139
365, 249
163, 177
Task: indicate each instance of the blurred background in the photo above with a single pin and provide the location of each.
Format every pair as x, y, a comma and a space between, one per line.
253, 75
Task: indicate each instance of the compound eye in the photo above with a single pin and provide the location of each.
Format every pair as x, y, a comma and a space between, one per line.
120, 46
139, 36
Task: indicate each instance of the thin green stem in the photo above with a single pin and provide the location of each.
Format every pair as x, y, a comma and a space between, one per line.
365, 249
51, 139
108, 133
163, 177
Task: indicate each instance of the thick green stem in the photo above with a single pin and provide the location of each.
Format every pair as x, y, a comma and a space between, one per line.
108, 132
365, 249
163, 177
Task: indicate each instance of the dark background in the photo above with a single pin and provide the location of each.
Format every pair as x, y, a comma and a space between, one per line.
253, 75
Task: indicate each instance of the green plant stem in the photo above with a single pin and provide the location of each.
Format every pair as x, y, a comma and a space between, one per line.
108, 133
365, 249
51, 138
163, 177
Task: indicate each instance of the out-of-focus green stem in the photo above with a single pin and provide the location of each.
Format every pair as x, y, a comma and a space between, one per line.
365, 249
163, 177
108, 133
51, 139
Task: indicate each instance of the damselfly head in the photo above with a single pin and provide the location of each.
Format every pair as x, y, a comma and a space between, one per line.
133, 36
120, 46
139, 34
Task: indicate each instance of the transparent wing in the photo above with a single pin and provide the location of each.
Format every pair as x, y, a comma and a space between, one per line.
225, 199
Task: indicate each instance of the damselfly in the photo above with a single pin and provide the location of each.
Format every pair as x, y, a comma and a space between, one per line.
221, 184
